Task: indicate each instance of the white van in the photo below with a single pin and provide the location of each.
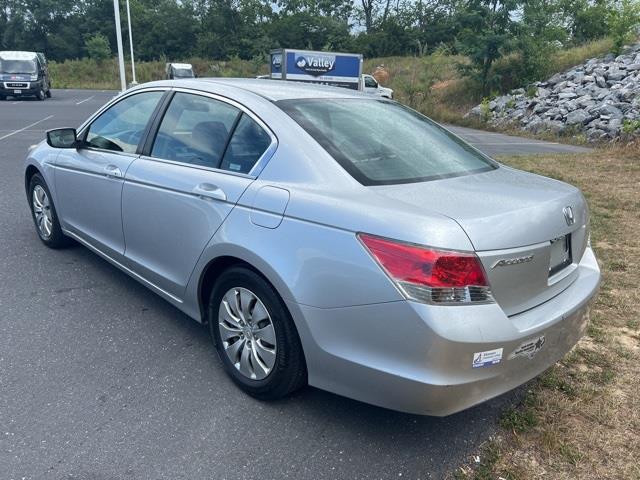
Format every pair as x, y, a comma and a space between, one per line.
24, 74
179, 70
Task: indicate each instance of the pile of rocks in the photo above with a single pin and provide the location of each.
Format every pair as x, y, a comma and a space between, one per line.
598, 98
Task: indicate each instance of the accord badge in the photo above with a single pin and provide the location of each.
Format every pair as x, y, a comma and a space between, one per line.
512, 261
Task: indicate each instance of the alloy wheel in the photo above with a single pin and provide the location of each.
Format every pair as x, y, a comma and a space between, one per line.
247, 333
42, 211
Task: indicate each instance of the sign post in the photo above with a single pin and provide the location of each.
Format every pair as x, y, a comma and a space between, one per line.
133, 63
116, 9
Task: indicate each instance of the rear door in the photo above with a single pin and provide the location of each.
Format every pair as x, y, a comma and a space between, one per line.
89, 179
180, 191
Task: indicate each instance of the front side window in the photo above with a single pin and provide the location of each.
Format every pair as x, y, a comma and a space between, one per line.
120, 128
380, 142
370, 82
203, 131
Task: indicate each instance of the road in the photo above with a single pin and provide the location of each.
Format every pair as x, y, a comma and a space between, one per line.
496, 144
101, 380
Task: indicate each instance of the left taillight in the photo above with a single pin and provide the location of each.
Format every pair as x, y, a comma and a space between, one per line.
428, 275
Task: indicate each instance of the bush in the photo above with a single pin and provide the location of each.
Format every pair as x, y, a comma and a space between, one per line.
97, 47
621, 22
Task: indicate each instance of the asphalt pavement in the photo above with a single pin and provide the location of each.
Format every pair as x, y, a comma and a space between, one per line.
496, 144
100, 379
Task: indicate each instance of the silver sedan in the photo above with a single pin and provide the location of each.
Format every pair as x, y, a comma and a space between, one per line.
326, 237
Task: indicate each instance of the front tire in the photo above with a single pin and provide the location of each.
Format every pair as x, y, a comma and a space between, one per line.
41, 95
255, 336
44, 214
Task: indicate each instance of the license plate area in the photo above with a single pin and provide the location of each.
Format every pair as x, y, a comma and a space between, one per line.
17, 91
560, 257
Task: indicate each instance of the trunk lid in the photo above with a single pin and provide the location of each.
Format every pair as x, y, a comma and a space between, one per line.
516, 223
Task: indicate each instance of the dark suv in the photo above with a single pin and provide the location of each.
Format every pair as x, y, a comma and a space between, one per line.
24, 74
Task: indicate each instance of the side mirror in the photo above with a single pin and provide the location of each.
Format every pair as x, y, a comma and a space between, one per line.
62, 138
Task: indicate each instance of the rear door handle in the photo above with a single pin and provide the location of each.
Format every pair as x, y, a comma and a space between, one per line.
112, 171
208, 190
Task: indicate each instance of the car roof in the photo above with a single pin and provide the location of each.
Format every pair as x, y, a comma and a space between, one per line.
273, 90
11, 55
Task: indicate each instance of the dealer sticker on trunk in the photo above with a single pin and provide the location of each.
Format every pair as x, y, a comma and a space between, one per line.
529, 348
486, 359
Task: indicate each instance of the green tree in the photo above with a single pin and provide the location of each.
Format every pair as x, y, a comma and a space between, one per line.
585, 18
486, 36
97, 47
621, 20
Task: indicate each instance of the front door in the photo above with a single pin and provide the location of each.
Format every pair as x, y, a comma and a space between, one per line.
89, 179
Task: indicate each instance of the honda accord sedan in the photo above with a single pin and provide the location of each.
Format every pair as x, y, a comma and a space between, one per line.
326, 238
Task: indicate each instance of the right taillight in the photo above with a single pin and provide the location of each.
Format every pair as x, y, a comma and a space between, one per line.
430, 276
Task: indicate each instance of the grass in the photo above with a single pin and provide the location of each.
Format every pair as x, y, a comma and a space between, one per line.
570, 57
581, 418
88, 73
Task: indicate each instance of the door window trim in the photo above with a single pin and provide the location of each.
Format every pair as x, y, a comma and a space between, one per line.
257, 167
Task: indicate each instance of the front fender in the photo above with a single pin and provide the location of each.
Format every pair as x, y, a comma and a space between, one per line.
41, 158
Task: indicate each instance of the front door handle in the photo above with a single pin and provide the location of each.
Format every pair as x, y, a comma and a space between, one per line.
208, 190
112, 171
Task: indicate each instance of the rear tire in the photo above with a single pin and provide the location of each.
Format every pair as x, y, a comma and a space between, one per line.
44, 214
48, 93
258, 334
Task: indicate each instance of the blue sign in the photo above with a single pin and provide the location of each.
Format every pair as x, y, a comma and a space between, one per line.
337, 69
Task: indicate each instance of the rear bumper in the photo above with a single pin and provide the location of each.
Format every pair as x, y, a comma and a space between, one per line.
418, 358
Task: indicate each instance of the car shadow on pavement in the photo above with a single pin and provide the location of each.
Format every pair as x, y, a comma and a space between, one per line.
326, 425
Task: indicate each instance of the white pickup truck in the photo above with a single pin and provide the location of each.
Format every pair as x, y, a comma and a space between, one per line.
371, 86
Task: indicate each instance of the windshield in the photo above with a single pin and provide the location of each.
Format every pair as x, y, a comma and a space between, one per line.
182, 73
380, 142
18, 66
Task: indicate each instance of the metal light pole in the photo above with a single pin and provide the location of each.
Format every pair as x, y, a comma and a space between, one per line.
116, 9
133, 64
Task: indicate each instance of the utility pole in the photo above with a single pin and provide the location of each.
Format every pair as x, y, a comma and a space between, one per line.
133, 63
116, 9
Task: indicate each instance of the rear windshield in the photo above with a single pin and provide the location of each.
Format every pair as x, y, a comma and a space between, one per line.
381, 142
18, 66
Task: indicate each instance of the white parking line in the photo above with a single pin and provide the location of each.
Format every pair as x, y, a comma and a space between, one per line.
15, 103
85, 100
24, 128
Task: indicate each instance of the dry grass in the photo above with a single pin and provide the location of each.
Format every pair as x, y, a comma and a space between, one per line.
565, 59
581, 419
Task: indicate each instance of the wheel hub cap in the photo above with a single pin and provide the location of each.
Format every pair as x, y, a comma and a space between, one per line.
247, 333
42, 211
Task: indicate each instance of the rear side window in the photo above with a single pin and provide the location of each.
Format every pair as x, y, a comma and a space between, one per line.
203, 131
381, 143
120, 128
247, 145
